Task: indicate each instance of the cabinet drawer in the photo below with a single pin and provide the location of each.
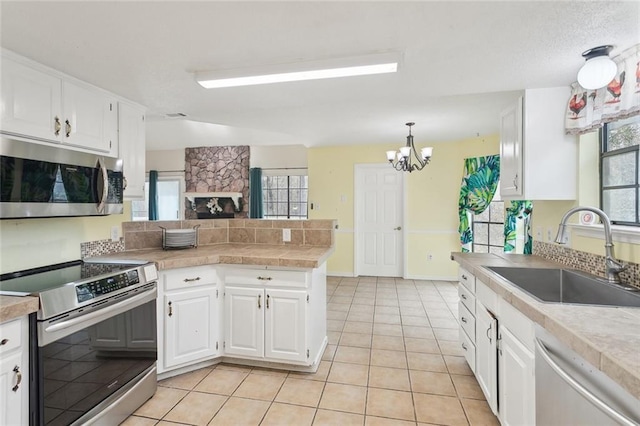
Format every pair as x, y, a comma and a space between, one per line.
467, 279
265, 277
10, 334
469, 350
179, 279
467, 321
467, 298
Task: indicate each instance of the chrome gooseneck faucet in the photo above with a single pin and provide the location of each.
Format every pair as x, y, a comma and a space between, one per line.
612, 266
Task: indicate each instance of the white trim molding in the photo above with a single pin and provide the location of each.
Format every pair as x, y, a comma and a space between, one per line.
621, 234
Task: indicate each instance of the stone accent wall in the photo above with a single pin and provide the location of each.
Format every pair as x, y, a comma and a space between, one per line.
218, 169
148, 235
583, 261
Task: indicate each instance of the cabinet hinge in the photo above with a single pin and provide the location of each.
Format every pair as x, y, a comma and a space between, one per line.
109, 144
307, 353
216, 298
110, 107
224, 345
216, 346
307, 298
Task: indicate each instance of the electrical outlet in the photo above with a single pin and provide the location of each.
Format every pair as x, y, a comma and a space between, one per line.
343, 198
286, 235
539, 233
429, 256
550, 235
115, 233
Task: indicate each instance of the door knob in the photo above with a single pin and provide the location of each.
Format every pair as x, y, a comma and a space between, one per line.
399, 228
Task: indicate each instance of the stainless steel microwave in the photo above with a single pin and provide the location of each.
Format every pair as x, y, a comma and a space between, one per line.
38, 180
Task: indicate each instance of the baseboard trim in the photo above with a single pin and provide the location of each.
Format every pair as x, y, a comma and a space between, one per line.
341, 274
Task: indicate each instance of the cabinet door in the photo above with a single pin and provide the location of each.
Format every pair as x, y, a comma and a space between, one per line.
11, 400
90, 118
244, 321
511, 150
486, 355
517, 381
190, 323
30, 102
285, 325
131, 145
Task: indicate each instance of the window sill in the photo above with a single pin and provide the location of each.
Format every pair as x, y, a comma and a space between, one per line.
621, 234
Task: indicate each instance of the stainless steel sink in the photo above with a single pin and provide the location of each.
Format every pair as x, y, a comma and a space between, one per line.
567, 286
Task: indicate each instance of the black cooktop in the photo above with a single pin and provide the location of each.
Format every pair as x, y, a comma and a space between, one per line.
43, 278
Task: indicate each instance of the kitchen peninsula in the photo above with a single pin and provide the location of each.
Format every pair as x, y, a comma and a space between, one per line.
252, 292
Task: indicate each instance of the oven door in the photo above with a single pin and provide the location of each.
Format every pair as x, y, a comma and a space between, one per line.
94, 361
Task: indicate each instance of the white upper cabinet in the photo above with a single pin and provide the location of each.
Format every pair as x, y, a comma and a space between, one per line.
131, 140
31, 102
538, 161
90, 118
44, 105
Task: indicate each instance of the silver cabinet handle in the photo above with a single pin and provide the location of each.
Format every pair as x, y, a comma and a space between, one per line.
515, 181
464, 296
259, 299
464, 277
463, 319
267, 301
4, 342
188, 280
547, 357
464, 346
16, 370
124, 183
67, 128
57, 126
170, 309
264, 278
488, 333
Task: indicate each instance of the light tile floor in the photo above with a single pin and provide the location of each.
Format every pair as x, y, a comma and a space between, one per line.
392, 359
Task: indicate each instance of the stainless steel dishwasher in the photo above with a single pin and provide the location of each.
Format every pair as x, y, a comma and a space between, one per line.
570, 391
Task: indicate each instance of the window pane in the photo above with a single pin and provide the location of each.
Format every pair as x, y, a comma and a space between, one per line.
623, 133
477, 248
481, 233
496, 235
282, 195
294, 181
496, 250
619, 169
620, 204
496, 212
281, 181
282, 209
482, 217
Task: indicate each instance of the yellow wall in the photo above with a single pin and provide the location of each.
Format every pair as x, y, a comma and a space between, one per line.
547, 214
28, 243
432, 208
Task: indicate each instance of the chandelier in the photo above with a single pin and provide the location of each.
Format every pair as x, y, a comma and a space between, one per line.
403, 161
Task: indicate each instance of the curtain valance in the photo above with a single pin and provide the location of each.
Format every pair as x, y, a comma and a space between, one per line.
588, 110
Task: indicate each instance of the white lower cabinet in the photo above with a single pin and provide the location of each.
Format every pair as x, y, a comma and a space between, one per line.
517, 382
269, 323
188, 315
14, 371
486, 355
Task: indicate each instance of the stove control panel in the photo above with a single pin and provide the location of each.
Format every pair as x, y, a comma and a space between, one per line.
107, 285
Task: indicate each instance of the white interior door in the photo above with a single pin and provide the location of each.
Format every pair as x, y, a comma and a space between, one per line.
379, 207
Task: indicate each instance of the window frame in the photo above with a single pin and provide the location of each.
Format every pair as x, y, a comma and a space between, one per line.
473, 222
604, 132
289, 188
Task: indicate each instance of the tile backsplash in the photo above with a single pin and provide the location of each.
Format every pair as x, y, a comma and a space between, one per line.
101, 247
146, 235
583, 261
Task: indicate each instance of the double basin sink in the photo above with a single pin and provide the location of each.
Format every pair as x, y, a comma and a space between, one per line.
567, 286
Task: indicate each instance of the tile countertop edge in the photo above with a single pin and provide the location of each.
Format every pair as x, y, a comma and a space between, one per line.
12, 307
627, 376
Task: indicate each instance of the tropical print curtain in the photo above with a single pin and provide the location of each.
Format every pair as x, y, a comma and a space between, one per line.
588, 110
479, 183
518, 223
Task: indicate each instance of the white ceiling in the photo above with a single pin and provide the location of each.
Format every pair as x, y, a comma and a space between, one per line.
462, 62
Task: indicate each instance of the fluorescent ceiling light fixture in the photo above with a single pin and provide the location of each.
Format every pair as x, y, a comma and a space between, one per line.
316, 70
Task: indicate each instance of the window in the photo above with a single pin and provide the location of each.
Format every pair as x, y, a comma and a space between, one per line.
488, 228
285, 197
169, 201
620, 171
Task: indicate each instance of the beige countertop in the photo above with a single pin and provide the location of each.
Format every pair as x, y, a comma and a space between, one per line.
287, 256
607, 337
13, 307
